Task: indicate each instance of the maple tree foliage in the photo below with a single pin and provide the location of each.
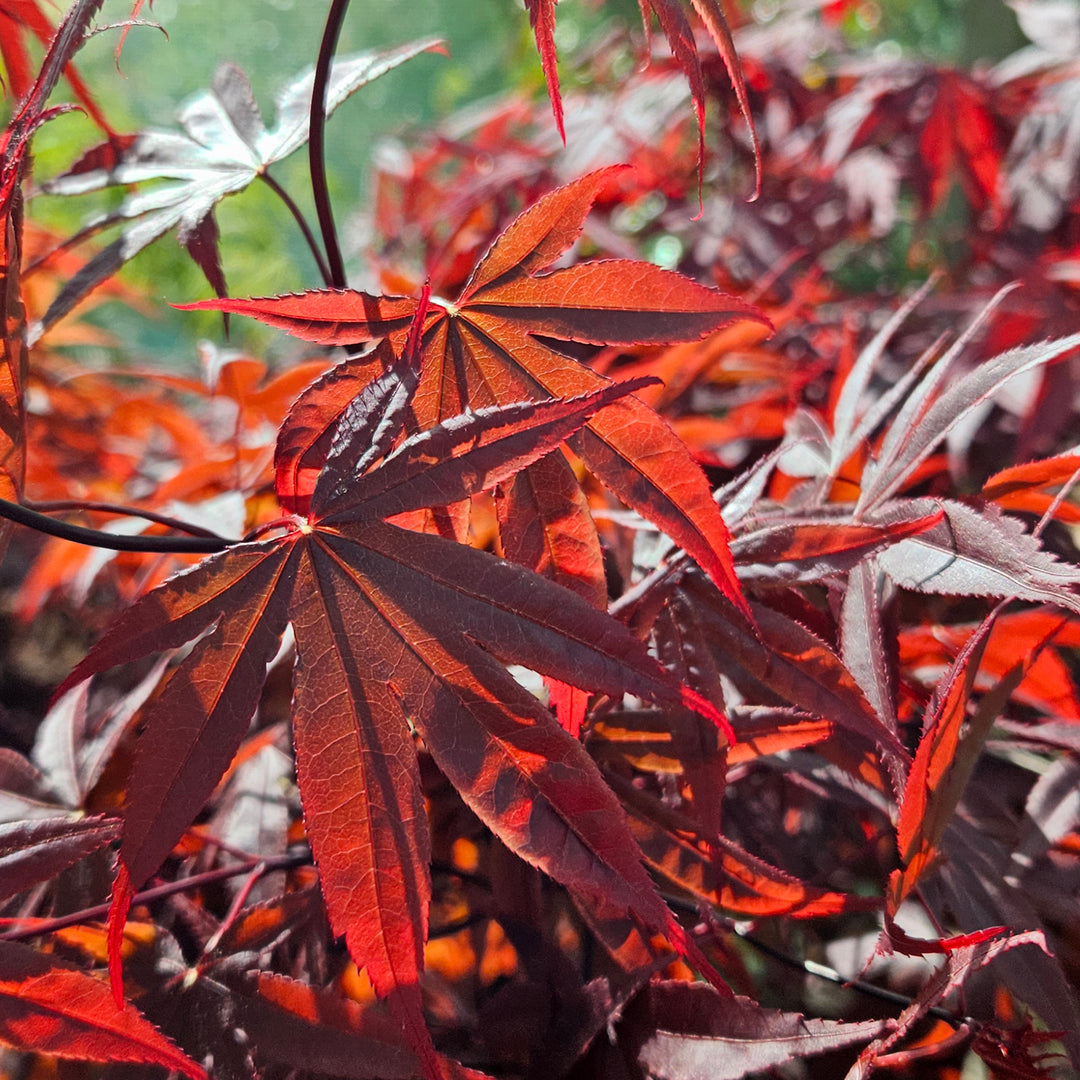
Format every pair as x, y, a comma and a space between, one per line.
627, 598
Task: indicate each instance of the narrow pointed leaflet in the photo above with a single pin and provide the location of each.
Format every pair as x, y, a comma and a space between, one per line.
491, 347
225, 145
394, 629
680, 38
14, 155
50, 1007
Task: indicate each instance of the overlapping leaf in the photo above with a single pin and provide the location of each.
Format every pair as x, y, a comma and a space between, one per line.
980, 553
224, 146
954, 732
491, 346
680, 36
14, 149
33, 851
51, 1007
393, 628
782, 657
690, 1033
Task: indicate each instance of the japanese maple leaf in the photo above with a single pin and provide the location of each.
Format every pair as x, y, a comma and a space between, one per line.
49, 1007
395, 630
223, 147
496, 344
945, 113
680, 37
16, 18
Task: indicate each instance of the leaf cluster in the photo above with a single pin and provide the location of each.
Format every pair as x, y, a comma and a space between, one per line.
610, 609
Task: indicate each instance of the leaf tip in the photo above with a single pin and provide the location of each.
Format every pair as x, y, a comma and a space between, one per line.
122, 894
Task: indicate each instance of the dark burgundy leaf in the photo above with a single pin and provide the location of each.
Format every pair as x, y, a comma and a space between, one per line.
33, 851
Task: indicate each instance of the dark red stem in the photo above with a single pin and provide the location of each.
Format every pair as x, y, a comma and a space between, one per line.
317, 143
59, 506
159, 892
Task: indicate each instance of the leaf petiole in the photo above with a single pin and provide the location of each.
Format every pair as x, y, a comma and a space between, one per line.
78, 534
55, 506
316, 143
301, 221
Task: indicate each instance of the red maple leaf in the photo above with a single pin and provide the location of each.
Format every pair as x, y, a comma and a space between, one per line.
394, 630
497, 343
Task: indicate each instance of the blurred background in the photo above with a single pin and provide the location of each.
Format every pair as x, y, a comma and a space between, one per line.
491, 52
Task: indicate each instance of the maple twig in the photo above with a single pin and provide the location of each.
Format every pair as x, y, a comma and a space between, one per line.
77, 534
160, 892
301, 221
316, 143
867, 989
54, 506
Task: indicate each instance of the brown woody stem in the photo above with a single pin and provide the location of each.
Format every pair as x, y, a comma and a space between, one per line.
159, 892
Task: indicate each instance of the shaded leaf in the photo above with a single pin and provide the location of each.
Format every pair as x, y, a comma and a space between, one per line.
791, 662
958, 967
33, 851
294, 1024
720, 873
545, 524
695, 1035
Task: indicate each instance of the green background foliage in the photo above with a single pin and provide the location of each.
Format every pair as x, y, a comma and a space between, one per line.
490, 50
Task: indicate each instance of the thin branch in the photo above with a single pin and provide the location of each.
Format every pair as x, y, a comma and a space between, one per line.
867, 989
317, 143
812, 967
55, 506
170, 545
159, 892
301, 221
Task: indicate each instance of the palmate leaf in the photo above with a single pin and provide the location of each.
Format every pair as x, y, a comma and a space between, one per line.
490, 346
223, 147
394, 629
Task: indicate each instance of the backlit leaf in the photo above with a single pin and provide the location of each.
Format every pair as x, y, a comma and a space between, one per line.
394, 629
484, 349
223, 147
51, 1007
